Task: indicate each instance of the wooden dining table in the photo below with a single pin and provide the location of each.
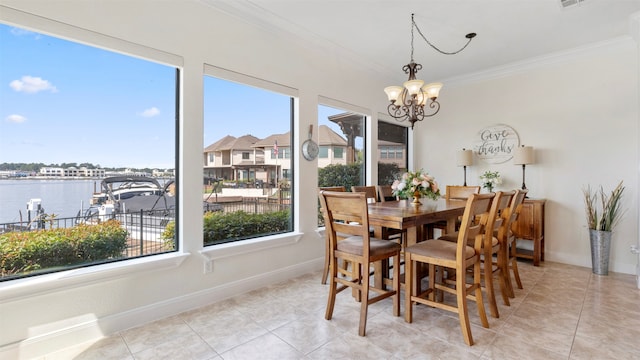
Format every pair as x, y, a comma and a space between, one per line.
403, 215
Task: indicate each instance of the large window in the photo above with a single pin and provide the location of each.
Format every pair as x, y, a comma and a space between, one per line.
252, 194
341, 133
392, 151
75, 118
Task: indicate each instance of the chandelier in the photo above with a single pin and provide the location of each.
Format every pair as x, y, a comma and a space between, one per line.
408, 102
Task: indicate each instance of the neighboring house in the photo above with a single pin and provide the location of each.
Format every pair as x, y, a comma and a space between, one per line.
249, 158
71, 172
332, 147
232, 158
277, 157
392, 153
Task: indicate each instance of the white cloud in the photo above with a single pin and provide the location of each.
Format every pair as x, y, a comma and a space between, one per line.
151, 112
15, 118
32, 85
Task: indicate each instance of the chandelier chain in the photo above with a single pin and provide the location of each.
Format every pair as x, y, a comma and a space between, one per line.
413, 24
409, 102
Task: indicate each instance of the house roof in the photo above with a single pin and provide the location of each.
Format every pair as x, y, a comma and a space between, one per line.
326, 136
222, 143
229, 142
269, 141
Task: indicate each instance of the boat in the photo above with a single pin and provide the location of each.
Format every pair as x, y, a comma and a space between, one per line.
134, 193
131, 194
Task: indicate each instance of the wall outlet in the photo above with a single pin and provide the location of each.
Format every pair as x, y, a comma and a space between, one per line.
634, 249
208, 266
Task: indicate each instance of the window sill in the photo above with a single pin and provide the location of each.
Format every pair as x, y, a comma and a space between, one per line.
40, 284
249, 246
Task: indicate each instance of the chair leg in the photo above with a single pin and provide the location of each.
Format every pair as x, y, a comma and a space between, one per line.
477, 275
463, 312
488, 283
409, 287
516, 274
396, 285
333, 289
325, 272
514, 265
364, 303
505, 283
504, 290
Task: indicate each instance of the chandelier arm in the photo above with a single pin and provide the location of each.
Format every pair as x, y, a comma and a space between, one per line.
397, 113
433, 105
469, 37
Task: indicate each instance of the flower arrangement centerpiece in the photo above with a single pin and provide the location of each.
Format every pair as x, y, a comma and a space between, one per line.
416, 184
490, 179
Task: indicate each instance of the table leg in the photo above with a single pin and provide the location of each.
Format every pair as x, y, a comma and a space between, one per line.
379, 269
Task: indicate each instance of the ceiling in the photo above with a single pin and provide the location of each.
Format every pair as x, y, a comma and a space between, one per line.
376, 34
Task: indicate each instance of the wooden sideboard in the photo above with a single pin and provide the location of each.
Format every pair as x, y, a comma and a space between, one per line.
530, 226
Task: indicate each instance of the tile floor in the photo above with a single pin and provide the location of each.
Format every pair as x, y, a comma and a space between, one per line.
563, 312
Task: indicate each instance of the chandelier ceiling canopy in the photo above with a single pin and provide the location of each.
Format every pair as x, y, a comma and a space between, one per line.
408, 102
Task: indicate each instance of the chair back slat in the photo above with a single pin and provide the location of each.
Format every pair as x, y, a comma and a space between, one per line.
504, 212
346, 213
457, 192
385, 193
478, 205
370, 191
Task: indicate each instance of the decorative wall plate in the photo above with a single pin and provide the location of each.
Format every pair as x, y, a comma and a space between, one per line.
496, 144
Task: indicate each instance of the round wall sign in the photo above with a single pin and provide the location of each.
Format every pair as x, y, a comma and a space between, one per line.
495, 144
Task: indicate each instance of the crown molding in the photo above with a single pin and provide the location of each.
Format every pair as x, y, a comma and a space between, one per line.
538, 62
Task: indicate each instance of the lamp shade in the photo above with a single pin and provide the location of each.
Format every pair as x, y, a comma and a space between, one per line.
523, 155
464, 157
433, 90
393, 92
413, 86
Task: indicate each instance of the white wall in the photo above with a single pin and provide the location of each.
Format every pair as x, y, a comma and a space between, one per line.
582, 134
45, 313
579, 111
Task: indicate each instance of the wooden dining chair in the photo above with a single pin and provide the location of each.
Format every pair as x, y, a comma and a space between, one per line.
325, 271
348, 213
455, 192
511, 259
490, 222
493, 260
385, 193
372, 197
370, 191
458, 256
459, 192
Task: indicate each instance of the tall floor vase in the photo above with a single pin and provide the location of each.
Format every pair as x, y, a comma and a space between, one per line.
600, 249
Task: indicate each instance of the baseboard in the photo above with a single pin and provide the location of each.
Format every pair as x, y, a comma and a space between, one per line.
93, 330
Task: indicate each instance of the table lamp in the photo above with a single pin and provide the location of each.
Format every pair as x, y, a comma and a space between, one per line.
464, 158
523, 156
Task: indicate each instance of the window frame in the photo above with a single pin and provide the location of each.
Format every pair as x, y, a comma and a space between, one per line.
86, 273
212, 252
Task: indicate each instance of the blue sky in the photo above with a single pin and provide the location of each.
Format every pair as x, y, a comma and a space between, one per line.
64, 102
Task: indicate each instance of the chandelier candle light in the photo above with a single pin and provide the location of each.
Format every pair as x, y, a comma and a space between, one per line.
408, 101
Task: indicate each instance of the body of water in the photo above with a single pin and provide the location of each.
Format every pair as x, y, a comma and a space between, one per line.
61, 197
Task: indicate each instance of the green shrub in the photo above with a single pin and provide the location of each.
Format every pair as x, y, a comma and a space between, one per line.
340, 175
25, 252
222, 227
